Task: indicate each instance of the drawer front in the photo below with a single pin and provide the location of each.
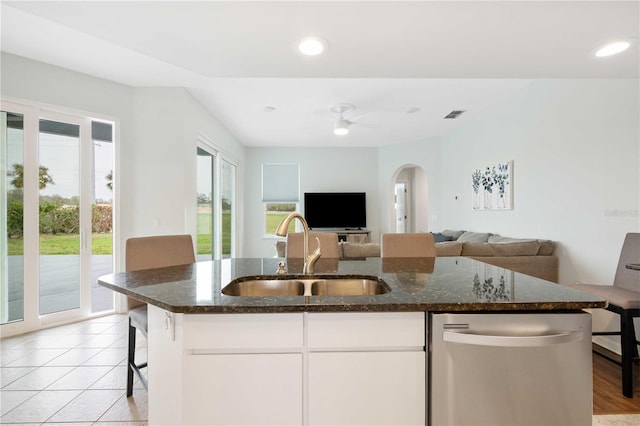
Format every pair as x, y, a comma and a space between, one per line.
366, 330
243, 331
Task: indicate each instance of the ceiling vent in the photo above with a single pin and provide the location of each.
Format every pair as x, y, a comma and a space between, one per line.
454, 114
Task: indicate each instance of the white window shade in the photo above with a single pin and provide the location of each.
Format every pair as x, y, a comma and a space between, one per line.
280, 183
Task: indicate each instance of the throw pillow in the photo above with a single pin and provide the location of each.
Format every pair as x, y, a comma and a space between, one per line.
439, 237
474, 237
453, 234
546, 247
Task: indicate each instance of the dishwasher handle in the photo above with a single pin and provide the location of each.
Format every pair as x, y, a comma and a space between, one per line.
514, 341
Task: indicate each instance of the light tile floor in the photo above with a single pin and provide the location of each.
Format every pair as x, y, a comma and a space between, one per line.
72, 374
76, 375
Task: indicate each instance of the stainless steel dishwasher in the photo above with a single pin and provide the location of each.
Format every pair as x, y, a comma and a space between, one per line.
510, 369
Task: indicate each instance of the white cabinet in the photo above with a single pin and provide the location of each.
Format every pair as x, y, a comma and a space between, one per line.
367, 368
243, 389
225, 369
238, 370
367, 388
290, 368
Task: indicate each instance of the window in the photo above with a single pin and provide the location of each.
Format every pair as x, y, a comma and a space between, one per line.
204, 210
216, 202
228, 205
280, 194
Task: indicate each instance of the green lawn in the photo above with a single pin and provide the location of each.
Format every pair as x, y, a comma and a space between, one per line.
63, 244
204, 244
102, 243
274, 219
204, 233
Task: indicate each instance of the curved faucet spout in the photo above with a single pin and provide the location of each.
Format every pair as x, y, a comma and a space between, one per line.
313, 258
309, 260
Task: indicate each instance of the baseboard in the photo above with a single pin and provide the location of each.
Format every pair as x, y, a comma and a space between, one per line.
611, 344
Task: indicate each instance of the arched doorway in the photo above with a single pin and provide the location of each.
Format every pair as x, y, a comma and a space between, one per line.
409, 200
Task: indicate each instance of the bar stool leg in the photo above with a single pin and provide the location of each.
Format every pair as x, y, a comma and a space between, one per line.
131, 358
628, 343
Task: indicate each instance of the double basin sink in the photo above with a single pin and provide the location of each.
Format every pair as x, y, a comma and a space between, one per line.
316, 286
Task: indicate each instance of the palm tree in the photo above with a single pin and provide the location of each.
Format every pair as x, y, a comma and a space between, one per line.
17, 173
109, 178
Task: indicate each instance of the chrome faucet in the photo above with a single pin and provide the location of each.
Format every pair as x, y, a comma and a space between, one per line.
309, 260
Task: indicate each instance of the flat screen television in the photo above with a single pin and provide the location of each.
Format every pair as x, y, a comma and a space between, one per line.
335, 209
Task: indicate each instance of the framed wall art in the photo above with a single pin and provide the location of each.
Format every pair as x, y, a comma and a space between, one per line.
493, 187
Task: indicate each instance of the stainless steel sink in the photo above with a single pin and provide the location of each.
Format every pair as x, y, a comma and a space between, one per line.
321, 286
349, 287
268, 287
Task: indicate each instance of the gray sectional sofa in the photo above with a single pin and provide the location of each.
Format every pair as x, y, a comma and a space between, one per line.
526, 255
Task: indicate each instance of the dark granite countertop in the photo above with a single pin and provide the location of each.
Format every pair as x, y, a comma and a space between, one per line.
443, 284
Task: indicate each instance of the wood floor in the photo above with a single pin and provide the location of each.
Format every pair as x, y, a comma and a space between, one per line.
607, 386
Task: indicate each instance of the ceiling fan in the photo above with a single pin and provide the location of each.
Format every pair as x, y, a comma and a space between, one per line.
341, 125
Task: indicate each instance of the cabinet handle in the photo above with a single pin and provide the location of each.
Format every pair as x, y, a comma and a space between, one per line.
512, 341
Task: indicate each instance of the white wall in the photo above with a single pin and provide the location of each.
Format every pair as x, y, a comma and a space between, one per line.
198, 121
162, 178
156, 149
392, 159
321, 170
575, 147
576, 151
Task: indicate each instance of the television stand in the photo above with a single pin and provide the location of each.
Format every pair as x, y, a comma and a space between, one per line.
351, 235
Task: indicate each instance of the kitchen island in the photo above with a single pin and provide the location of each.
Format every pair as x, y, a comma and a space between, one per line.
319, 359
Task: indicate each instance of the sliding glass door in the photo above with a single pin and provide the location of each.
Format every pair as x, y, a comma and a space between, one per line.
205, 218
102, 196
56, 217
228, 185
59, 218
216, 202
11, 217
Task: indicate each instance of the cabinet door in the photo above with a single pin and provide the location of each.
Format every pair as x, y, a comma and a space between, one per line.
372, 388
243, 389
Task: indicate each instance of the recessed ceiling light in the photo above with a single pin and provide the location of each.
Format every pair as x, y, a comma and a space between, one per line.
613, 48
413, 110
311, 46
269, 109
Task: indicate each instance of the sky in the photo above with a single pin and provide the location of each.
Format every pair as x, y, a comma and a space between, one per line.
60, 154
204, 171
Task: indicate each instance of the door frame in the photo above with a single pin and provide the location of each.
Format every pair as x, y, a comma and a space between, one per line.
32, 113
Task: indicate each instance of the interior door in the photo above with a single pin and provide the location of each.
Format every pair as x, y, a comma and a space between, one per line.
401, 207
